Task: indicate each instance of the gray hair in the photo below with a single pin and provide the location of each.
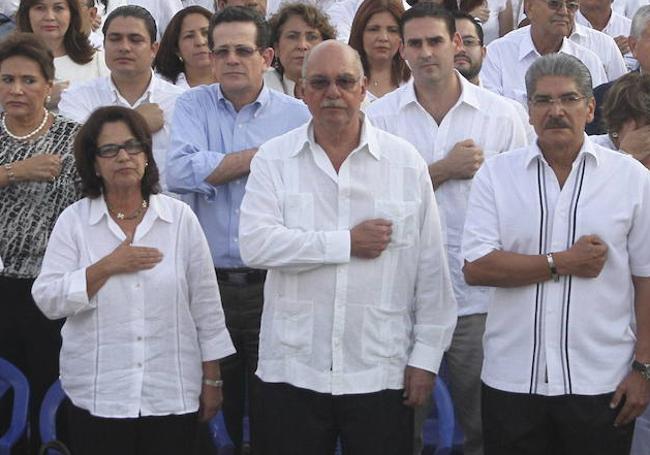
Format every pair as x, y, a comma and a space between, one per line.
559, 64
640, 21
355, 56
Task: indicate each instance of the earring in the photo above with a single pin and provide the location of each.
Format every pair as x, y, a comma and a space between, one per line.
146, 163
48, 99
614, 134
181, 59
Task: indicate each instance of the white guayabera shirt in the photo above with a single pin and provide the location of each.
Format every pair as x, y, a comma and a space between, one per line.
334, 323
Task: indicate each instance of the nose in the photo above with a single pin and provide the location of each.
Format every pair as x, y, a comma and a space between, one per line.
333, 90
49, 13
383, 35
17, 87
122, 154
303, 43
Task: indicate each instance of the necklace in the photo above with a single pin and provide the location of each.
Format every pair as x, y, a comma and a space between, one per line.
133, 216
28, 135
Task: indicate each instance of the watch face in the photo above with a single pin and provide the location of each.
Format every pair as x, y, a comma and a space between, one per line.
643, 368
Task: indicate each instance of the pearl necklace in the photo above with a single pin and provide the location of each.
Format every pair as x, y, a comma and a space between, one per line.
28, 135
136, 214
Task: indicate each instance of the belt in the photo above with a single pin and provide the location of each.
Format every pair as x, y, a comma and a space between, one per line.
241, 276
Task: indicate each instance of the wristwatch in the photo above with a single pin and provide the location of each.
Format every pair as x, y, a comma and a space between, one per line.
643, 368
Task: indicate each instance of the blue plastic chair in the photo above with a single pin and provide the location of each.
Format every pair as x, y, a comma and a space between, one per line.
47, 416
439, 428
12, 378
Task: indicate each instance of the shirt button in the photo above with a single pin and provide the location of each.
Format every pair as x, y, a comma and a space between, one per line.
139, 365
139, 338
137, 285
235, 240
240, 125
236, 210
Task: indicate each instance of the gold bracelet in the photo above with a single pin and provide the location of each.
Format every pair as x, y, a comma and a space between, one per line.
213, 382
10, 172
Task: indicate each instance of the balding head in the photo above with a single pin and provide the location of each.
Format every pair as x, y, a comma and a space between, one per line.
336, 47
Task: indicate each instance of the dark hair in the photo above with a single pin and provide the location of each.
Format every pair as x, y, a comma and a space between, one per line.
312, 16
29, 46
85, 148
241, 14
76, 43
168, 62
399, 70
133, 11
627, 99
451, 5
458, 15
428, 10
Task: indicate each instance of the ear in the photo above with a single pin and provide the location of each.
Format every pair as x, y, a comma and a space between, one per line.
364, 87
457, 40
401, 50
632, 42
154, 48
267, 55
483, 52
591, 109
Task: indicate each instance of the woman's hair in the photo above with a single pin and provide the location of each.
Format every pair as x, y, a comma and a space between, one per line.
400, 71
168, 62
312, 16
627, 99
76, 43
85, 149
29, 46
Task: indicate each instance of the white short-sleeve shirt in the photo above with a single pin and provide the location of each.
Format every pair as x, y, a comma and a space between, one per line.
575, 336
618, 25
603, 46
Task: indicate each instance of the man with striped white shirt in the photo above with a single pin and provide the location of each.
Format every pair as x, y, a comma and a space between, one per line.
560, 229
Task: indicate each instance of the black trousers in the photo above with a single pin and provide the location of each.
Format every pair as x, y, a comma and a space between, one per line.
302, 422
151, 435
242, 305
31, 342
526, 424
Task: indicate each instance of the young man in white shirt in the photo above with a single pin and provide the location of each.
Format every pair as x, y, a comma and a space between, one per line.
560, 229
129, 50
358, 304
454, 125
509, 57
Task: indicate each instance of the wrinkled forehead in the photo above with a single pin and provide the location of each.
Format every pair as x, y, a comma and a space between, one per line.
234, 34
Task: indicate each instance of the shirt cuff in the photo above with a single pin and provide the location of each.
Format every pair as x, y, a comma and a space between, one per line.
202, 167
78, 292
478, 252
337, 247
217, 348
425, 357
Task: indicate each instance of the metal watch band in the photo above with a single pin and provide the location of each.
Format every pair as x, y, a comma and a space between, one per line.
551, 265
643, 368
213, 382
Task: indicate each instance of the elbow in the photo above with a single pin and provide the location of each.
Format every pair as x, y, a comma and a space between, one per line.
471, 272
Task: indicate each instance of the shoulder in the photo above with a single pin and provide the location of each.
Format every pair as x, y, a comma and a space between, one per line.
388, 104
277, 98
89, 88
76, 214
64, 124
395, 148
282, 146
491, 103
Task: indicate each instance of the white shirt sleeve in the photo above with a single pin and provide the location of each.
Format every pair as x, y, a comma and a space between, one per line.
491, 71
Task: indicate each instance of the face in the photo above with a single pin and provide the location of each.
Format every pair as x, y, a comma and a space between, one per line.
193, 41
557, 124
23, 88
238, 64
641, 49
553, 22
128, 49
123, 170
50, 19
469, 59
88, 15
338, 103
429, 50
257, 5
381, 38
296, 39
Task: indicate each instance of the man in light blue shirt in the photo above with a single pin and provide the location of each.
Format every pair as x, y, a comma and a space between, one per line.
216, 132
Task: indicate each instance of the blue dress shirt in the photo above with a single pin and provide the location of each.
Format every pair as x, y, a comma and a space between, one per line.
205, 128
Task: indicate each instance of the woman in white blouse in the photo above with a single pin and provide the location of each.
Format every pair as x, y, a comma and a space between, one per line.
59, 24
131, 271
183, 57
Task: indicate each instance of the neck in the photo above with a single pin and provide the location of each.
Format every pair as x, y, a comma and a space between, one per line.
131, 87
439, 97
560, 156
242, 98
598, 16
124, 200
58, 49
476, 80
199, 76
544, 43
338, 142
380, 79
21, 125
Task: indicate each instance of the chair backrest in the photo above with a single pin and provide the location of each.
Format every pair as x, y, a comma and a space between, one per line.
47, 416
446, 418
12, 378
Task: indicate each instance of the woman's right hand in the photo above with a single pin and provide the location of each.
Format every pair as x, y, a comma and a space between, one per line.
40, 168
128, 259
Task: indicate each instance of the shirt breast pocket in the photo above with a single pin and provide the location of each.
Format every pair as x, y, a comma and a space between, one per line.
404, 217
299, 211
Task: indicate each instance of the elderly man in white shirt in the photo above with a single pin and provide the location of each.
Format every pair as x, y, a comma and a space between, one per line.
358, 306
560, 229
129, 49
454, 125
603, 46
509, 58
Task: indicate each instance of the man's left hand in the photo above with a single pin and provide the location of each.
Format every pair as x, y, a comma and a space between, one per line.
210, 402
636, 390
418, 385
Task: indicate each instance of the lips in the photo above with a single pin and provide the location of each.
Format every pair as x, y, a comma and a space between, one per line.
49, 28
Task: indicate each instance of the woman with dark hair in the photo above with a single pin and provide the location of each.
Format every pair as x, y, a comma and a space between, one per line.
58, 23
295, 29
626, 116
130, 270
375, 36
183, 57
37, 181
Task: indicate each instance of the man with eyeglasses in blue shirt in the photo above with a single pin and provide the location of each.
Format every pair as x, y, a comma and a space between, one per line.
216, 132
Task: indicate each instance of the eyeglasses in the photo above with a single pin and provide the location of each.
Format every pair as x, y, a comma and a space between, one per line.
471, 42
564, 101
556, 5
240, 51
319, 83
132, 147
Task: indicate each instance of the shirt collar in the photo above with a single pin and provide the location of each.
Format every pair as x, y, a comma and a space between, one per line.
147, 95
526, 46
468, 93
367, 139
262, 100
579, 30
588, 149
99, 209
